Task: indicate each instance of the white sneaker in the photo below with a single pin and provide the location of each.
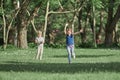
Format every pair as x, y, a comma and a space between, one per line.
74, 57
40, 58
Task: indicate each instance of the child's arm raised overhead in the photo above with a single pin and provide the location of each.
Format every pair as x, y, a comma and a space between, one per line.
65, 28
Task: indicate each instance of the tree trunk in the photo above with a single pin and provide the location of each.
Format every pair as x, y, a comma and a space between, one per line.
46, 19
21, 26
94, 24
116, 35
92, 21
111, 24
7, 29
109, 38
4, 25
23, 22
16, 5
15, 37
99, 33
108, 30
83, 35
22, 34
22, 38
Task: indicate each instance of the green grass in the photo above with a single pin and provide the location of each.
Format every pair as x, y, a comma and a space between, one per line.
90, 64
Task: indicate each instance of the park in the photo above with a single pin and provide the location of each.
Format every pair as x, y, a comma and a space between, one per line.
59, 40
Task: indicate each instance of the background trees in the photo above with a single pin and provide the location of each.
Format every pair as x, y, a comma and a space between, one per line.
19, 20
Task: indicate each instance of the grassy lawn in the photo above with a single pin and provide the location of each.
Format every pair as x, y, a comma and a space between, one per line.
90, 64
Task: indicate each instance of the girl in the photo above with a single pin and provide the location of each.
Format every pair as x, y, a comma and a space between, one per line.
70, 41
39, 41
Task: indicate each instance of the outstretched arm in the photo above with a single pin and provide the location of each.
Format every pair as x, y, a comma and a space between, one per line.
81, 30
65, 28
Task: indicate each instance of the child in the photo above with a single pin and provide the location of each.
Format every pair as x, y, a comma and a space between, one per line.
70, 42
39, 41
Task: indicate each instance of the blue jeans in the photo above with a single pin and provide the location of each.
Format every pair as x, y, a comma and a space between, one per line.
70, 50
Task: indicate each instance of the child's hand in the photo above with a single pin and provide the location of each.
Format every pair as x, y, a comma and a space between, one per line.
66, 24
81, 30
41, 42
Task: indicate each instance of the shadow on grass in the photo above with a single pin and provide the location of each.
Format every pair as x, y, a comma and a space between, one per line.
60, 67
85, 56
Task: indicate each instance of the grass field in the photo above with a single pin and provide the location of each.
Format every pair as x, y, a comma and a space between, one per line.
90, 64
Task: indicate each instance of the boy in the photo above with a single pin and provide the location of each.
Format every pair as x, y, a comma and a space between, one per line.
70, 41
39, 41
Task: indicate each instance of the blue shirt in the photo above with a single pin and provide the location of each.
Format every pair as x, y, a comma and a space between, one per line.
70, 40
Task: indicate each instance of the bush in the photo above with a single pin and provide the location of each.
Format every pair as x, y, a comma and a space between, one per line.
56, 45
32, 45
11, 46
86, 45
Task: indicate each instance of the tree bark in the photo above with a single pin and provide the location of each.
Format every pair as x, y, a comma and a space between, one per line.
94, 26
46, 19
109, 33
83, 34
22, 25
22, 38
116, 35
23, 22
111, 24
99, 33
4, 26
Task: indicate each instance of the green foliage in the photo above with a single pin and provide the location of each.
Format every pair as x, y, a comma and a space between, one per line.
0, 10
86, 45
56, 45
73, 1
32, 45
54, 5
10, 46
57, 21
97, 3
8, 6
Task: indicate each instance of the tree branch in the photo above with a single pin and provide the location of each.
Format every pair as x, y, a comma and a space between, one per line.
34, 12
116, 18
65, 12
32, 22
81, 5
10, 25
60, 5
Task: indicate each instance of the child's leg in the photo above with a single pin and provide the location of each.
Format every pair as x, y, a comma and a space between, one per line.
72, 51
41, 53
69, 54
38, 53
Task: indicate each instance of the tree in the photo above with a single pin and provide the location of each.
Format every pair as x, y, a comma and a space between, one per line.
23, 21
6, 24
111, 23
99, 32
22, 24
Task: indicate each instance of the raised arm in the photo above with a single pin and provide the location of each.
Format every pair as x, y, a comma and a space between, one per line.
81, 31
65, 28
